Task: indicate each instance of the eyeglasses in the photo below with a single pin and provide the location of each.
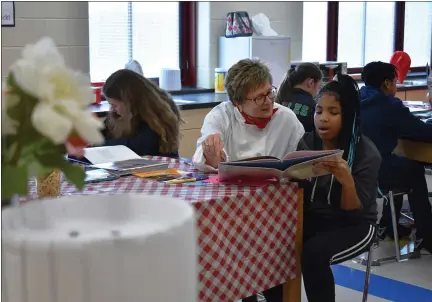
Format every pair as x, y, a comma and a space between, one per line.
259, 100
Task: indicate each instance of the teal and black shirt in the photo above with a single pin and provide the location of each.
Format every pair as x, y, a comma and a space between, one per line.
303, 105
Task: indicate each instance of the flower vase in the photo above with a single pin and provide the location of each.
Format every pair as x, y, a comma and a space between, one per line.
49, 185
110, 251
12, 201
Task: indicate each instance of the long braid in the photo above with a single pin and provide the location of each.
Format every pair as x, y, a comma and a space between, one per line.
356, 132
347, 92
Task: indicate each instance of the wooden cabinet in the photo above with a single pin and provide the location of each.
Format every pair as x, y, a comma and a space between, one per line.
401, 95
412, 95
191, 130
188, 142
416, 95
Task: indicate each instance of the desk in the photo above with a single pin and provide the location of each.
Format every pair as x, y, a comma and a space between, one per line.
418, 151
249, 238
415, 150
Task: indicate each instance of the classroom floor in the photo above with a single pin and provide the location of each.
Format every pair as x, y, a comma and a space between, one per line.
409, 281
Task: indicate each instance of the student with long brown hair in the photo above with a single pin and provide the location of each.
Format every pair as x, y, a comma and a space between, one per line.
142, 117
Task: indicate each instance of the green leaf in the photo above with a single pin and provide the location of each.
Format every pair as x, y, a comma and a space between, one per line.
14, 181
55, 160
74, 174
36, 169
24, 109
52, 159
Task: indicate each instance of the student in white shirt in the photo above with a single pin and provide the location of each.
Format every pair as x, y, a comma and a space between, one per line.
251, 124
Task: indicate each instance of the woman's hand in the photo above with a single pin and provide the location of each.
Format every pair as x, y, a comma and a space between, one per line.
339, 168
78, 152
213, 150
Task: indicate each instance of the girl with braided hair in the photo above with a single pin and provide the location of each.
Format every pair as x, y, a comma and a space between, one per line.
339, 209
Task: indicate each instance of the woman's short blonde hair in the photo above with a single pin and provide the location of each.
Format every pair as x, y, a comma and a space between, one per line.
246, 75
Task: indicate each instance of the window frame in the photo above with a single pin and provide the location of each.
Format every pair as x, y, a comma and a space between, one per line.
187, 45
332, 34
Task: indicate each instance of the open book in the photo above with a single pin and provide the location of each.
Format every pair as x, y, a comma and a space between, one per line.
120, 160
297, 165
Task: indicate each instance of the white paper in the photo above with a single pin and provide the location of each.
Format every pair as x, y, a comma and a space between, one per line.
261, 25
135, 66
108, 154
7, 13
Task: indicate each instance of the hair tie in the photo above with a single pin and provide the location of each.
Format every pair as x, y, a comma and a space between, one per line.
292, 71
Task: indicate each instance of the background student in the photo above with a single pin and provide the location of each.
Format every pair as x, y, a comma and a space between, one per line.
297, 91
142, 117
385, 119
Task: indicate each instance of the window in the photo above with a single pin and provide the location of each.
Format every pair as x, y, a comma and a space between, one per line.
108, 38
156, 34
417, 33
361, 32
314, 34
366, 32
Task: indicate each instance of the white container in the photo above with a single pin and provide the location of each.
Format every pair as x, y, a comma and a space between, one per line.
170, 79
96, 248
275, 51
220, 76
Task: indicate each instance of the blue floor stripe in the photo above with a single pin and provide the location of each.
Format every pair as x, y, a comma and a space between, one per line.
379, 286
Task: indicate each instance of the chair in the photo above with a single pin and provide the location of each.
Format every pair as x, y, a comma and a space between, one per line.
389, 196
368, 269
368, 263
261, 298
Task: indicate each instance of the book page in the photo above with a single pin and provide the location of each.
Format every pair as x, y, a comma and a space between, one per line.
257, 159
108, 154
229, 173
307, 153
307, 169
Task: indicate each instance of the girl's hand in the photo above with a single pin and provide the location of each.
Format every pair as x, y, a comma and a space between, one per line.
339, 168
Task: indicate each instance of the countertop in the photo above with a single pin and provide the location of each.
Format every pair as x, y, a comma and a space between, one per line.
207, 99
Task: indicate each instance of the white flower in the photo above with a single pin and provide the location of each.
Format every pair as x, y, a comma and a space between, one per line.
63, 94
44, 52
51, 123
88, 127
57, 121
52, 82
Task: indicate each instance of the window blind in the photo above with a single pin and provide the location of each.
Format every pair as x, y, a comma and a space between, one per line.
121, 31
417, 34
314, 46
366, 32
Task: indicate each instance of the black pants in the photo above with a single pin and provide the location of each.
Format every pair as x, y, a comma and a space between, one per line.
401, 173
325, 242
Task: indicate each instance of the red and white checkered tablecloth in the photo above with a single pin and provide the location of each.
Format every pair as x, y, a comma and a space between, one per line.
246, 235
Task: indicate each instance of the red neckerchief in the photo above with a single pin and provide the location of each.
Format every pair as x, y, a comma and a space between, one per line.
261, 123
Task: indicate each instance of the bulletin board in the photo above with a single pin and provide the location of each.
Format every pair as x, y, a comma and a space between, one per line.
8, 13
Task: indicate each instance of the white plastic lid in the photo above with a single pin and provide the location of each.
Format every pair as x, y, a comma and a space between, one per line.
221, 70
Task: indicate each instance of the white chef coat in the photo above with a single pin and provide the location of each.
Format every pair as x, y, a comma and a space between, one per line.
241, 140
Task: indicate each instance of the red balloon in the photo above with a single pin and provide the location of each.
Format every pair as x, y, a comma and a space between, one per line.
402, 61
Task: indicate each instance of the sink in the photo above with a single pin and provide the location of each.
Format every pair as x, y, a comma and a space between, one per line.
408, 83
412, 83
182, 102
